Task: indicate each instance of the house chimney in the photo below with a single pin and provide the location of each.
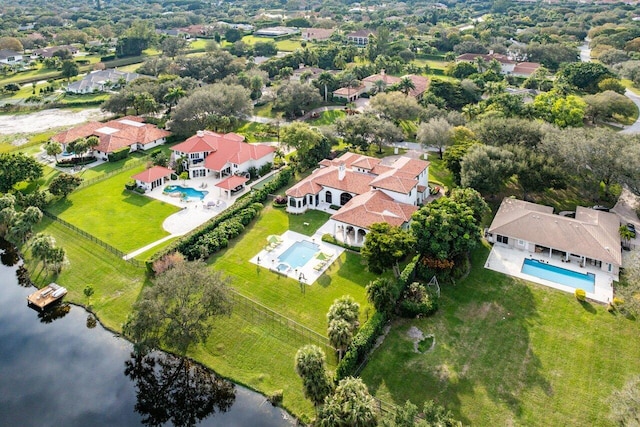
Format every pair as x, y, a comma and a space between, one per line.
382, 72
341, 171
200, 133
491, 52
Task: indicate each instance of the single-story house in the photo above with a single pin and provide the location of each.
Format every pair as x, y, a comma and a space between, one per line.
129, 131
592, 237
48, 52
365, 190
313, 73
10, 57
153, 177
317, 34
101, 81
507, 65
360, 37
349, 94
209, 153
371, 81
276, 32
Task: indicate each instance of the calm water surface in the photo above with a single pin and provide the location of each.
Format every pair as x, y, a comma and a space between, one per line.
59, 372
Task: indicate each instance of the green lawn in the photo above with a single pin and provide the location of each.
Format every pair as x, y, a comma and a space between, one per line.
327, 118
116, 283
438, 173
257, 132
123, 219
287, 45
509, 352
346, 276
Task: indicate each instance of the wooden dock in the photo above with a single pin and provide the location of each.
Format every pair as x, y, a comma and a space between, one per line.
46, 296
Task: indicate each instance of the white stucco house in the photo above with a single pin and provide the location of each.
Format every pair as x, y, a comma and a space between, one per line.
129, 131
153, 177
208, 153
10, 57
365, 191
101, 81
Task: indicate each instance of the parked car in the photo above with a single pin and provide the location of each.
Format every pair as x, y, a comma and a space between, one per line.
600, 208
632, 228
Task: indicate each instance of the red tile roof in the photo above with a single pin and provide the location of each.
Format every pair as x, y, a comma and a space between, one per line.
389, 80
115, 134
223, 149
410, 166
394, 181
373, 207
421, 84
232, 182
349, 91
503, 59
526, 68
152, 174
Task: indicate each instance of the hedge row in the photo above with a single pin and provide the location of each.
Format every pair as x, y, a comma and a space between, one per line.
366, 337
216, 233
119, 154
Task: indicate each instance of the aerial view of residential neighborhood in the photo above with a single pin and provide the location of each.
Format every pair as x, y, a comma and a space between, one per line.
320, 213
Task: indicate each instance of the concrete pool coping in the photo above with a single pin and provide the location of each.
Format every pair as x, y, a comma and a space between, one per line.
509, 261
307, 274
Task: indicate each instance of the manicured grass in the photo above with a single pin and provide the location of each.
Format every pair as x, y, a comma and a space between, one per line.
257, 132
307, 305
264, 110
115, 282
122, 218
147, 254
287, 45
629, 85
89, 97
438, 65
438, 172
409, 128
327, 118
509, 352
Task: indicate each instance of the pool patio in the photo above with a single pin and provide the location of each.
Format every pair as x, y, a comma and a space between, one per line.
269, 256
509, 261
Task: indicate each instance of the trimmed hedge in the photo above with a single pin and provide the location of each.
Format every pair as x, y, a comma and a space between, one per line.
119, 154
362, 343
366, 337
330, 239
215, 234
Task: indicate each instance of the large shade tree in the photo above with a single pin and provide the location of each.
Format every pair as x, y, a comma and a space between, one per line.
17, 167
385, 245
180, 308
206, 107
445, 229
437, 132
486, 168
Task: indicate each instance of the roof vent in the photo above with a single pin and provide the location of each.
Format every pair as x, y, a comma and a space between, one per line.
200, 133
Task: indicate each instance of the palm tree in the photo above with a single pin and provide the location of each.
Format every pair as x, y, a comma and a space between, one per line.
340, 335
92, 142
173, 95
406, 85
350, 81
53, 148
380, 86
625, 234
310, 365
41, 247
325, 79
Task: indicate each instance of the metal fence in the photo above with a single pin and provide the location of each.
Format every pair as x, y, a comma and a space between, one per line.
280, 326
92, 238
130, 165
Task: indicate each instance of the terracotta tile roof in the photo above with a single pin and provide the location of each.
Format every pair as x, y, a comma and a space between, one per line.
223, 149
365, 162
503, 59
361, 33
373, 207
232, 182
395, 181
153, 174
592, 233
345, 91
389, 80
317, 33
114, 134
526, 68
421, 84
413, 167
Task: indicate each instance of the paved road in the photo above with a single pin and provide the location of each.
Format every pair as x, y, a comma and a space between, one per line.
634, 128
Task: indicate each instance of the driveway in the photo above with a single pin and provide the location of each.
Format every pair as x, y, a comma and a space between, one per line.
634, 128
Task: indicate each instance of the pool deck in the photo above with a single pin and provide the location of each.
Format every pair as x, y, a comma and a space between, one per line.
308, 273
509, 261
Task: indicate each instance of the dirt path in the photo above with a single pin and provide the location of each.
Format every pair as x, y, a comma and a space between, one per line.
42, 120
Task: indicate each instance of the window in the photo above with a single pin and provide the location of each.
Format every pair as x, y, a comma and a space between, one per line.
194, 155
292, 202
344, 198
328, 197
503, 239
520, 242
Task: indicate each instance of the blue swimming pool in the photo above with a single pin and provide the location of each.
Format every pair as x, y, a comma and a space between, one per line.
298, 254
190, 192
559, 275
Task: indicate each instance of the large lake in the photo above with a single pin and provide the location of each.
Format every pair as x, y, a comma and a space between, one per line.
59, 372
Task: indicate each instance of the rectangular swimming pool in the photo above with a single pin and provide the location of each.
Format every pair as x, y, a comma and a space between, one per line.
298, 254
559, 275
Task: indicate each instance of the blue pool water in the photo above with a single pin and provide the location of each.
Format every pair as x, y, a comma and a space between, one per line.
190, 192
299, 254
559, 275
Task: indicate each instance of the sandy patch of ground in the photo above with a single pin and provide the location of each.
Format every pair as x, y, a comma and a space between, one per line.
41, 121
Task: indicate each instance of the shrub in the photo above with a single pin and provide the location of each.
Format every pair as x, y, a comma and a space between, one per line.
167, 262
330, 239
74, 161
417, 301
131, 185
581, 295
280, 202
140, 190
276, 397
335, 207
265, 169
118, 154
360, 346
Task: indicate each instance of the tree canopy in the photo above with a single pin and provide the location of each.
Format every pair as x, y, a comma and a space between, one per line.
179, 309
17, 167
350, 405
385, 245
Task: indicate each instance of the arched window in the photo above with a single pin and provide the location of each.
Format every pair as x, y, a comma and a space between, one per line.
328, 197
344, 198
